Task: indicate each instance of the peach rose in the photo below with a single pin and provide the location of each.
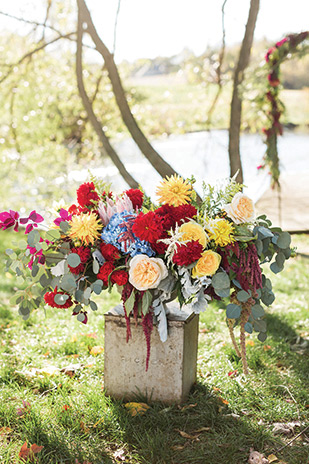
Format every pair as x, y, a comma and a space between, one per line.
146, 273
207, 265
193, 231
241, 209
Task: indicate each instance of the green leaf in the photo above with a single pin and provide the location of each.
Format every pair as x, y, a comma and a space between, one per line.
22, 244
287, 253
68, 283
93, 306
280, 259
262, 336
129, 303
244, 238
268, 297
64, 226
35, 270
81, 317
243, 296
259, 247
79, 296
284, 240
60, 299
73, 260
220, 281
97, 286
263, 232
275, 268
9, 252
222, 292
257, 311
146, 302
87, 293
45, 281
24, 308
53, 234
44, 246
33, 237
233, 311
248, 328
260, 326
95, 266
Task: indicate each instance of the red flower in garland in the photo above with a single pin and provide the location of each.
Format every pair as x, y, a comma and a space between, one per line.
185, 212
136, 196
168, 216
109, 252
105, 272
84, 254
188, 253
120, 277
49, 299
148, 227
86, 194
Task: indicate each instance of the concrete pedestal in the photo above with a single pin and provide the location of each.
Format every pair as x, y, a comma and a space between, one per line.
172, 365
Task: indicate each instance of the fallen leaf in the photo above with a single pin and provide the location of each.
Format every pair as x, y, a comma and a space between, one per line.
202, 429
84, 428
95, 350
223, 400
187, 435
267, 348
256, 458
26, 453
187, 406
283, 429
250, 343
272, 458
49, 370
179, 447
216, 389
136, 408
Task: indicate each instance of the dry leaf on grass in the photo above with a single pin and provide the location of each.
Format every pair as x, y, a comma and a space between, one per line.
187, 406
272, 458
5, 430
26, 454
188, 436
257, 458
136, 408
95, 350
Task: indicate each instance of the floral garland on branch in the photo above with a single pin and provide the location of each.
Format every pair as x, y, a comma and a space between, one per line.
275, 107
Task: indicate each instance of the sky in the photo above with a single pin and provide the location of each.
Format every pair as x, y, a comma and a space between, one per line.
150, 28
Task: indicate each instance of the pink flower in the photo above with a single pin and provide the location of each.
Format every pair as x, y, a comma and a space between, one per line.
281, 42
9, 219
106, 211
64, 216
35, 218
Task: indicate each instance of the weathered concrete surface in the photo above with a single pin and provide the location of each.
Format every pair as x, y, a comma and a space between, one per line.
172, 365
294, 215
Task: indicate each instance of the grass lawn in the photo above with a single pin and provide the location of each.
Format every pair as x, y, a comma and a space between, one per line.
68, 414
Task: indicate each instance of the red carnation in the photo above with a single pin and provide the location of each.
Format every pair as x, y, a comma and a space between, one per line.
49, 299
136, 196
184, 212
84, 254
105, 272
158, 246
119, 277
168, 216
109, 252
188, 253
86, 194
148, 227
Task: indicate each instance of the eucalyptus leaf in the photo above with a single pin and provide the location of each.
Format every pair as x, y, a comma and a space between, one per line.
129, 303
53, 234
35, 270
260, 326
268, 297
220, 281
257, 311
95, 266
81, 317
280, 259
19, 280
93, 306
146, 302
87, 293
259, 247
33, 237
287, 253
222, 292
275, 268
263, 232
262, 336
45, 280
64, 226
97, 286
236, 283
68, 283
233, 311
266, 243
60, 298
24, 308
243, 296
284, 240
79, 296
248, 327
73, 260
9, 252
44, 246
22, 244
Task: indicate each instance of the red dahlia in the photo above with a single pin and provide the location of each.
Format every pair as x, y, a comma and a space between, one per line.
168, 216
84, 254
86, 194
148, 227
49, 299
119, 277
184, 212
109, 252
188, 253
136, 196
105, 272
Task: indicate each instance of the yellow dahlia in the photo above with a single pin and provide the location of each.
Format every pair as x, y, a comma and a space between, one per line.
221, 232
85, 228
193, 231
174, 191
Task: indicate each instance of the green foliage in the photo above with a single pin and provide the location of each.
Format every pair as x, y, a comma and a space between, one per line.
215, 196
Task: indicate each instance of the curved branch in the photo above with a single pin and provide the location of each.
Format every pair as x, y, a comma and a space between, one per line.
27, 21
160, 165
115, 26
91, 115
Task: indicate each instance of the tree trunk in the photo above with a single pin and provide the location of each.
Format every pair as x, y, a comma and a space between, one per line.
236, 105
161, 166
90, 112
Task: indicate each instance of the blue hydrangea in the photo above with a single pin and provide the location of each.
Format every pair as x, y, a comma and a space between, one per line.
118, 229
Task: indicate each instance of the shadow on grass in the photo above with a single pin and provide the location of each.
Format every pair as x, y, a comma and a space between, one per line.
203, 430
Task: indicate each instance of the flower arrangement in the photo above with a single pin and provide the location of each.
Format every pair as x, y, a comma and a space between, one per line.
152, 253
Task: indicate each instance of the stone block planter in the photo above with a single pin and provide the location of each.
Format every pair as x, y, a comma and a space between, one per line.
172, 366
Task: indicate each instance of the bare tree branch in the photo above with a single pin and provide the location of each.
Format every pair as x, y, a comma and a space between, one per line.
236, 105
27, 21
108, 149
49, 4
218, 71
32, 52
99, 80
115, 26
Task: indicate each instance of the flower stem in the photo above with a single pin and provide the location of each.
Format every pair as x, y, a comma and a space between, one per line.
232, 335
243, 319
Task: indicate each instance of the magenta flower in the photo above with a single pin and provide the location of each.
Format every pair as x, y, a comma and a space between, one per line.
64, 216
35, 218
9, 219
281, 42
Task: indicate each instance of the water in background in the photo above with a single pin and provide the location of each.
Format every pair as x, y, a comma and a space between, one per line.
205, 155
